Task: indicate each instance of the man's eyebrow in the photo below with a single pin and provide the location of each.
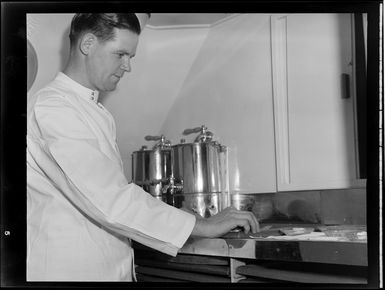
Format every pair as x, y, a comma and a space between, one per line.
124, 52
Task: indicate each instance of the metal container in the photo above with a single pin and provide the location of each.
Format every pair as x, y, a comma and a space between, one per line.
151, 169
204, 204
261, 205
201, 167
198, 165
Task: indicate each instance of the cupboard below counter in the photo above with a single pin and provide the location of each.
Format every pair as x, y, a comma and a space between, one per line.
259, 260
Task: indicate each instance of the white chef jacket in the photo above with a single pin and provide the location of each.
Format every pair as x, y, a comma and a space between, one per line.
81, 210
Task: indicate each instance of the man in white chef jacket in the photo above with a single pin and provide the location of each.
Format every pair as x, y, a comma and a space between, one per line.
81, 211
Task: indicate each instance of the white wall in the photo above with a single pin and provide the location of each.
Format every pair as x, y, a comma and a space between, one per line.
184, 78
144, 97
229, 89
48, 33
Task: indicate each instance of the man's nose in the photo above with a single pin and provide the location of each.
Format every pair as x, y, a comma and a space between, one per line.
126, 63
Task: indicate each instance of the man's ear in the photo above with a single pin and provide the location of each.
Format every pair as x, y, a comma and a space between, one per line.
87, 42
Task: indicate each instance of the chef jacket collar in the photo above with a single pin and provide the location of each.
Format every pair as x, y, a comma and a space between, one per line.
80, 89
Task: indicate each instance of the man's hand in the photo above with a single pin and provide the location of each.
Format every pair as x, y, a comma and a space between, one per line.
225, 221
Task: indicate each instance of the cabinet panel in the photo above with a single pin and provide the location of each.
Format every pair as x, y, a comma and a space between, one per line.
304, 272
315, 133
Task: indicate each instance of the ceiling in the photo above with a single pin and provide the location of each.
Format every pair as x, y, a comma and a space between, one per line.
170, 19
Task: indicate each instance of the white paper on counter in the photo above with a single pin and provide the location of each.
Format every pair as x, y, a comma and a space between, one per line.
314, 236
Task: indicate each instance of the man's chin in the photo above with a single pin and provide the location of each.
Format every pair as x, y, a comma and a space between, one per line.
110, 88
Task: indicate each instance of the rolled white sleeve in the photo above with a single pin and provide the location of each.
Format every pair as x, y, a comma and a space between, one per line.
96, 185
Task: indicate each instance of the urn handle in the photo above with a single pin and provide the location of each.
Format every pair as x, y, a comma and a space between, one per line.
162, 141
204, 136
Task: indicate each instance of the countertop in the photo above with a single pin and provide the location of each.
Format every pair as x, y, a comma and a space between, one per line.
269, 244
333, 252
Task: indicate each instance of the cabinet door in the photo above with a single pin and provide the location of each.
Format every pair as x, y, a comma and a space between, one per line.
314, 101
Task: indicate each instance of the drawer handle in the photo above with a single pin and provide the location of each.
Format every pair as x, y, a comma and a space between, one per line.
345, 86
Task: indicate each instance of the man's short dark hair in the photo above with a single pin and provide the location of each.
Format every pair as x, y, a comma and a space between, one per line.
102, 25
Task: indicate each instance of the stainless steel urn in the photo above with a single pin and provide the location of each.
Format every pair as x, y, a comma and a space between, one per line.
200, 168
152, 168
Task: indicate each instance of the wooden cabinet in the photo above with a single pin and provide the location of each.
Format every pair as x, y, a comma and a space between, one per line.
314, 101
152, 266
249, 261
299, 272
